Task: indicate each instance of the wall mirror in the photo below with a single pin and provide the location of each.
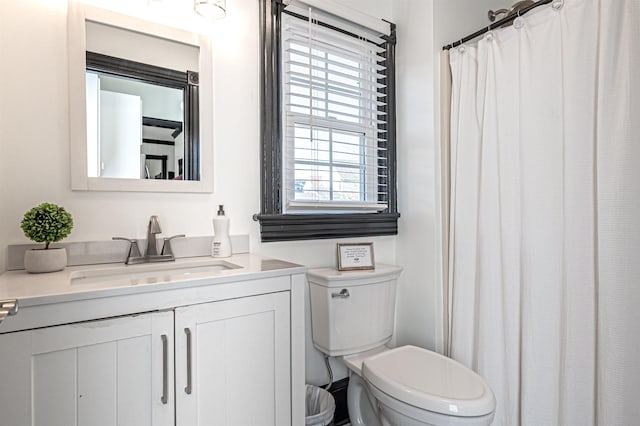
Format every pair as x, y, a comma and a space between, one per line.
140, 104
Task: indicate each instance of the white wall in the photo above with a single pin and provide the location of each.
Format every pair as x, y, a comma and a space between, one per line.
415, 313
459, 18
36, 147
34, 132
423, 28
34, 165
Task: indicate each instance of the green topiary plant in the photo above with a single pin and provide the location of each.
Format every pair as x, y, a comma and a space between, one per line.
47, 223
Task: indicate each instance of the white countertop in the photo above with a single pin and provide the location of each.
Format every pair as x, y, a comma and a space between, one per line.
71, 284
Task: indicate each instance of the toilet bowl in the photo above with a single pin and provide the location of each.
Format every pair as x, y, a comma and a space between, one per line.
413, 386
352, 317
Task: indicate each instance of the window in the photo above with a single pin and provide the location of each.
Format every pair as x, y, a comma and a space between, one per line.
328, 125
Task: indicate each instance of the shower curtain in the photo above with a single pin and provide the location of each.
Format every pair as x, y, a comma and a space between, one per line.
544, 260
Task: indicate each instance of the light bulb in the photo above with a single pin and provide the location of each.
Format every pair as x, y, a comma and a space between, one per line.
213, 9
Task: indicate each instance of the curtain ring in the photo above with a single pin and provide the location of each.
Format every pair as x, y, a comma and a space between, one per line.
489, 35
518, 22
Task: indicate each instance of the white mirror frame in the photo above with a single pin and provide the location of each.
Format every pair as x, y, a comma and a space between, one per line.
78, 14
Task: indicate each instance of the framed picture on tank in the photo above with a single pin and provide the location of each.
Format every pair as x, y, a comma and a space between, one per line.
355, 256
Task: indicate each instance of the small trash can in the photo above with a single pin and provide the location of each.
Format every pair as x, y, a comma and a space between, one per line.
319, 407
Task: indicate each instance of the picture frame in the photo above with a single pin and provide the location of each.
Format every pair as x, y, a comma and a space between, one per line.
355, 256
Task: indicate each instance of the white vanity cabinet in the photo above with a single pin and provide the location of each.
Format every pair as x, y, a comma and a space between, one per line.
219, 350
233, 362
108, 372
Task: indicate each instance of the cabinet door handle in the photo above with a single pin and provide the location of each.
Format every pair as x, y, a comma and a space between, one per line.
8, 307
187, 389
165, 369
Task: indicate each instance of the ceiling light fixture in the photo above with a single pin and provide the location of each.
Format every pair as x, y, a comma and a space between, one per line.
214, 9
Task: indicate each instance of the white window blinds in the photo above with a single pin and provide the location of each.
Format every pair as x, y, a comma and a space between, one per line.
334, 147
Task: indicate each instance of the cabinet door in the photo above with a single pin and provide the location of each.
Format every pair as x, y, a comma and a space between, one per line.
233, 362
109, 372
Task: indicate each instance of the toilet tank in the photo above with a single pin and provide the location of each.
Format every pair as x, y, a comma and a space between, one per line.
352, 311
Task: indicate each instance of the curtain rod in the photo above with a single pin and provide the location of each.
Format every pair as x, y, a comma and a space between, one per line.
496, 24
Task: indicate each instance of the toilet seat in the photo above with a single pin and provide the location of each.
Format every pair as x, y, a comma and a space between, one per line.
429, 381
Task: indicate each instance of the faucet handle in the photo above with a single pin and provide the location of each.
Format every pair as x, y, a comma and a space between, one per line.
134, 249
166, 247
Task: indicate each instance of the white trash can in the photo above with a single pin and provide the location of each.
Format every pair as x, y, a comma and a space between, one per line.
319, 407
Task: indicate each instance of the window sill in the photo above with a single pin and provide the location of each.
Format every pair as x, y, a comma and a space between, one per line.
292, 227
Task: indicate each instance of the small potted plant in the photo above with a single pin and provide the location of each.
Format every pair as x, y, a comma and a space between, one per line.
46, 223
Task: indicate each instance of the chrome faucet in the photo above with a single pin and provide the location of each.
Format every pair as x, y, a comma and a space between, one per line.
151, 254
152, 230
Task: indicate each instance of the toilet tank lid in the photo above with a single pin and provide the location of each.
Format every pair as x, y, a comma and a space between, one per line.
430, 381
331, 276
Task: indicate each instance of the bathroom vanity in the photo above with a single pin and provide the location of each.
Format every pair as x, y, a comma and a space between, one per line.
199, 341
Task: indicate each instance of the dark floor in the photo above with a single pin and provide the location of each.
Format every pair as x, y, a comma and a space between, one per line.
339, 392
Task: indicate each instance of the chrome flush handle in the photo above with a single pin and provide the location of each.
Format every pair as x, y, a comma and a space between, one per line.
344, 293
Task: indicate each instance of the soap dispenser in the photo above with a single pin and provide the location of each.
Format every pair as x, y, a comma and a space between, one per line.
221, 246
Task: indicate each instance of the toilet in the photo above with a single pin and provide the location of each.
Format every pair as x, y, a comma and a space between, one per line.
352, 316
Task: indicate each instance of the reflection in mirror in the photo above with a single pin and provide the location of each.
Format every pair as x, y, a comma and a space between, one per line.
162, 138
136, 112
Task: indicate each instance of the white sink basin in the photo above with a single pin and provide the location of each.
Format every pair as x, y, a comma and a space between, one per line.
151, 273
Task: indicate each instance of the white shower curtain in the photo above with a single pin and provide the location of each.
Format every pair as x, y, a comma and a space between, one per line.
544, 276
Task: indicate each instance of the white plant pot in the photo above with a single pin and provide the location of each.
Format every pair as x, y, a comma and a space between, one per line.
38, 261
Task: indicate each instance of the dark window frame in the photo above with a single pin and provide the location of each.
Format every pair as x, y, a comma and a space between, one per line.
274, 225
